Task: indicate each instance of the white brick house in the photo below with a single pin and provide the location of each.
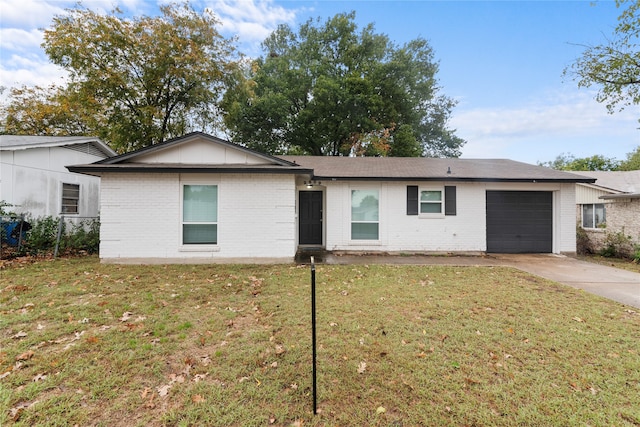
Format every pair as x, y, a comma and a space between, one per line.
201, 199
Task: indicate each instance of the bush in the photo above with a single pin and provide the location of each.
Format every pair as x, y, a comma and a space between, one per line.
83, 237
584, 246
617, 245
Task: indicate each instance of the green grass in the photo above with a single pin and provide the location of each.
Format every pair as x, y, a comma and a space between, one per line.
231, 346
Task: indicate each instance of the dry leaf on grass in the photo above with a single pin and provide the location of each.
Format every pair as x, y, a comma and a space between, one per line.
362, 367
25, 356
126, 316
197, 399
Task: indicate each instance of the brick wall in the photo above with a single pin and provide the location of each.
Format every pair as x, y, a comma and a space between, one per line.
623, 215
141, 217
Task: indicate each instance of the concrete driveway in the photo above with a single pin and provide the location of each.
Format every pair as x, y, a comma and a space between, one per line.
618, 285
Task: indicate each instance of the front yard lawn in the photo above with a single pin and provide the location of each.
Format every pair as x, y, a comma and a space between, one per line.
88, 344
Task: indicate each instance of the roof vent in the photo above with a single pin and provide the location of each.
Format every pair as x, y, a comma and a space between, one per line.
449, 170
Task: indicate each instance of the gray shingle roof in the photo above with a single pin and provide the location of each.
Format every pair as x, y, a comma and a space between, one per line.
23, 142
624, 181
424, 168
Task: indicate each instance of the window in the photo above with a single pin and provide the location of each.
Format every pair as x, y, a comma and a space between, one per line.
593, 215
70, 198
200, 215
364, 214
431, 202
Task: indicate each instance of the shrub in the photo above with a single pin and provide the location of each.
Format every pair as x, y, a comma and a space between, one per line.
41, 239
617, 245
584, 246
75, 238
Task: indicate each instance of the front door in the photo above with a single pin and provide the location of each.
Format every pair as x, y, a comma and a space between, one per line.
310, 218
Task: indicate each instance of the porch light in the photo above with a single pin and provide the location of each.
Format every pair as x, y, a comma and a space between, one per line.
312, 183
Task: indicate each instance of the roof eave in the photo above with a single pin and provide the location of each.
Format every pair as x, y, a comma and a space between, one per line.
99, 169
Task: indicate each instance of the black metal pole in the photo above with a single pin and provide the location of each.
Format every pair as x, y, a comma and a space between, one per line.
313, 332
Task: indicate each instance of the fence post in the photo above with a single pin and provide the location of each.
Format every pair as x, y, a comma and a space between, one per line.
60, 224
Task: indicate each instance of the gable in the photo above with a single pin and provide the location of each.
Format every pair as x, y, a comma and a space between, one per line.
201, 151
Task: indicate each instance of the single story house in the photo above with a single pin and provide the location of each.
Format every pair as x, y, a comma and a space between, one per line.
198, 198
610, 205
34, 180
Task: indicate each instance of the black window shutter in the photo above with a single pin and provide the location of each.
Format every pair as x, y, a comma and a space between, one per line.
412, 200
450, 200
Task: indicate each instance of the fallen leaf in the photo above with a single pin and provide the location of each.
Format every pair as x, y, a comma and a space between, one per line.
25, 356
272, 420
163, 390
19, 335
577, 319
197, 399
280, 349
126, 316
381, 410
362, 367
145, 392
199, 377
39, 377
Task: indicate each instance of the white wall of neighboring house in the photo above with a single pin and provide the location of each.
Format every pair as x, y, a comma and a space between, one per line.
465, 231
256, 218
31, 180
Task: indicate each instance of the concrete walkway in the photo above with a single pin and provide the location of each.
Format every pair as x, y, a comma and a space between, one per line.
618, 285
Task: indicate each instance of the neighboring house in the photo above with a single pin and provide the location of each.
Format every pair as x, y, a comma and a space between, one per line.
610, 205
198, 198
33, 177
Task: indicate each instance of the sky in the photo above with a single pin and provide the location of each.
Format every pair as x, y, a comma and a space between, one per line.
501, 61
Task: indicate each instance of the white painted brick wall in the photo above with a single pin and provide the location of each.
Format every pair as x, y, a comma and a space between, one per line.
465, 231
141, 217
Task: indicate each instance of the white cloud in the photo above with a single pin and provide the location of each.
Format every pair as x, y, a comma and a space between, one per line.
562, 123
251, 20
20, 40
30, 14
30, 72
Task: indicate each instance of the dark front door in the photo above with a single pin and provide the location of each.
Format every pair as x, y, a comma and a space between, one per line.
310, 218
519, 221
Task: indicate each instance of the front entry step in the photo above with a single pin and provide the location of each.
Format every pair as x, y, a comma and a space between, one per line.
303, 256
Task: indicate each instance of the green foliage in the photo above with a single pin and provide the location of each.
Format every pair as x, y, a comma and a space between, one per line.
618, 245
632, 162
613, 67
83, 237
133, 81
334, 89
569, 162
41, 239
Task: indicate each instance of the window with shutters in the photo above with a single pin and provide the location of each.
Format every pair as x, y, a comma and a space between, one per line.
431, 202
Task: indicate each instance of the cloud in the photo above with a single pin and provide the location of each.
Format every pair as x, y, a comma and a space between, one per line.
31, 72
30, 14
563, 122
20, 40
251, 20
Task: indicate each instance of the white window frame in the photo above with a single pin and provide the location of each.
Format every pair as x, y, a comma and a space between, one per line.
64, 197
186, 247
441, 202
351, 220
594, 225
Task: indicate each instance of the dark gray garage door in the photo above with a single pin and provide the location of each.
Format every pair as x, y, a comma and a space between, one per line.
519, 221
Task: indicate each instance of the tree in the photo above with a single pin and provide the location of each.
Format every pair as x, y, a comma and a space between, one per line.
330, 89
632, 162
50, 111
593, 163
614, 67
150, 78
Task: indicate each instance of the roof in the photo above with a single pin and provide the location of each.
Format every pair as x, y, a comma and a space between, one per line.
127, 162
619, 181
426, 168
93, 145
330, 167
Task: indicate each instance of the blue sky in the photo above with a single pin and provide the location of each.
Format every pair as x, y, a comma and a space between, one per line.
501, 60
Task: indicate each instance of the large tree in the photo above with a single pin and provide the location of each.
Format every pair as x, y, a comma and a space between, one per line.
614, 67
145, 79
632, 162
332, 89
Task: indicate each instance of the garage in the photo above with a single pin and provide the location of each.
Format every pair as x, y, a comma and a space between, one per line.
519, 221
